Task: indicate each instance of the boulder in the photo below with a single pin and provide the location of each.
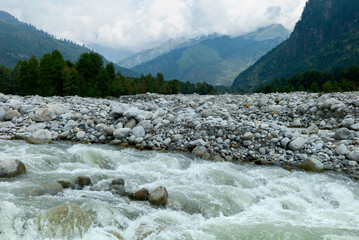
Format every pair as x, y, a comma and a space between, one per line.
158, 196
355, 127
65, 183
138, 131
2, 113
3, 98
66, 220
42, 115
131, 123
109, 131
347, 122
80, 135
11, 168
353, 155
343, 134
58, 109
35, 127
140, 195
51, 188
7, 125
118, 181
9, 115
82, 181
297, 144
312, 165
40, 137
122, 132
341, 149
247, 136
199, 151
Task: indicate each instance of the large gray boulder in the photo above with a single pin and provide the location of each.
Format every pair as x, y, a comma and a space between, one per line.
312, 165
58, 109
9, 115
11, 168
138, 131
122, 132
343, 134
66, 220
353, 155
199, 151
42, 115
158, 196
40, 137
297, 144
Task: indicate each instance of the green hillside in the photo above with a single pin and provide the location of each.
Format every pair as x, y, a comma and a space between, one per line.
326, 37
19, 41
216, 61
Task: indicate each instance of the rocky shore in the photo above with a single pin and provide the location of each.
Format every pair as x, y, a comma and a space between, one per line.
290, 130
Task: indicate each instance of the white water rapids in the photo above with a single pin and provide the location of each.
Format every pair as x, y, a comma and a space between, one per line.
207, 200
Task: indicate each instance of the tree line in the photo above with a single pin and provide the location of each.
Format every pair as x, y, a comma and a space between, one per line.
340, 80
88, 77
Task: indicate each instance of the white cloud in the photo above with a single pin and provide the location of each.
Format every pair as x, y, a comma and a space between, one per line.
139, 24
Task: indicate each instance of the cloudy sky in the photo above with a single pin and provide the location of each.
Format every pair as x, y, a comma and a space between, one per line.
139, 24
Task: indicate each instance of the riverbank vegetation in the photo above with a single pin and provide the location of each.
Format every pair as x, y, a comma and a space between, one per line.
88, 77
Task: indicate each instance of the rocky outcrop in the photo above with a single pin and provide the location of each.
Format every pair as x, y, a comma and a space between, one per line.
11, 168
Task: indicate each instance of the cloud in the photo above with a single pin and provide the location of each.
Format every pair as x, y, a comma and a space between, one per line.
139, 24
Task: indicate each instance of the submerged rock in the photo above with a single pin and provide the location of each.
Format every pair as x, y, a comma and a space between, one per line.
140, 195
158, 196
11, 168
82, 181
65, 220
312, 165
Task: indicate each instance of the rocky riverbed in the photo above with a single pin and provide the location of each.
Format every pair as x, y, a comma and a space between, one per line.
273, 129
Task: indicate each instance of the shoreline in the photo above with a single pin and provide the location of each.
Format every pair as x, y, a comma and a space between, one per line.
280, 129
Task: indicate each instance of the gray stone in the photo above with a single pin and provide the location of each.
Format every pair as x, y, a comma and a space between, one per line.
35, 127
343, 134
9, 115
341, 149
297, 144
64, 135
6, 125
109, 131
247, 136
347, 122
11, 168
122, 132
70, 125
355, 127
42, 115
138, 131
312, 165
58, 109
199, 151
284, 142
313, 129
80, 135
40, 137
353, 155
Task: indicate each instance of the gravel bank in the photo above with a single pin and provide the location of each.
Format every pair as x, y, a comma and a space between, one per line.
279, 129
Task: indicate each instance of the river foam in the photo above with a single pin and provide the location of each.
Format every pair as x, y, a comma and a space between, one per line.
207, 200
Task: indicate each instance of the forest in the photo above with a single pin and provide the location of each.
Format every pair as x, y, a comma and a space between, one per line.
52, 75
340, 80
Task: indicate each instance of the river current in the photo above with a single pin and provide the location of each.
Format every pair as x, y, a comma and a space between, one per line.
207, 200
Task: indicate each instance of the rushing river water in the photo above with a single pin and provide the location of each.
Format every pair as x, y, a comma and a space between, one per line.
207, 200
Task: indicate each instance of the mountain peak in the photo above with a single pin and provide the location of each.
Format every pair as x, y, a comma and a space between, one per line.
270, 32
7, 17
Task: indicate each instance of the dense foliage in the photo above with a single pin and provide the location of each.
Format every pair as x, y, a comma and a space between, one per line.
340, 80
52, 75
326, 37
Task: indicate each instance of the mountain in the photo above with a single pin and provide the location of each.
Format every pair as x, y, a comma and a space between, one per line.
19, 41
163, 48
325, 38
216, 61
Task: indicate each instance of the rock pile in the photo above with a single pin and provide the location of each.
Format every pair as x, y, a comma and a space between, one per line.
281, 129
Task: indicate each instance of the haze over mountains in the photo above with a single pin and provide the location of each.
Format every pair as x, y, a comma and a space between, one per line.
19, 41
218, 60
326, 37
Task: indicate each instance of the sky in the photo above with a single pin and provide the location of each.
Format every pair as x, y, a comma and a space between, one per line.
136, 25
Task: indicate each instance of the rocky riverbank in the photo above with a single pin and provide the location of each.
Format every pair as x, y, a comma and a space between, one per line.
280, 129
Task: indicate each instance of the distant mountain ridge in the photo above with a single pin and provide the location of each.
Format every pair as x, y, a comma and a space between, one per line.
326, 37
163, 48
19, 41
216, 61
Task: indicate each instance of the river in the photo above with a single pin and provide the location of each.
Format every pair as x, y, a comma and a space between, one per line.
207, 200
